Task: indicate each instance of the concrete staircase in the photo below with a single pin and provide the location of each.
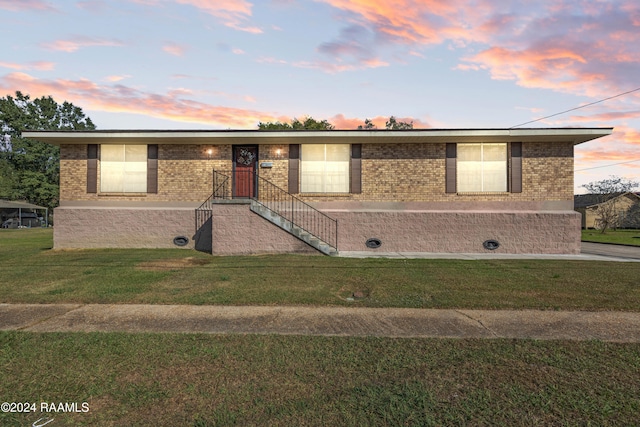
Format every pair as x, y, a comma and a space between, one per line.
293, 229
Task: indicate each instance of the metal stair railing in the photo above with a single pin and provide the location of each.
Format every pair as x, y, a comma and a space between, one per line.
293, 210
203, 213
297, 212
221, 190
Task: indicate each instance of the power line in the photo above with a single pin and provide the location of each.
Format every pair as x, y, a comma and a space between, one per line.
606, 166
577, 108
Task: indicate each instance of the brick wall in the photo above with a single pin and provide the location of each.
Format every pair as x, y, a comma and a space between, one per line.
390, 172
184, 173
416, 172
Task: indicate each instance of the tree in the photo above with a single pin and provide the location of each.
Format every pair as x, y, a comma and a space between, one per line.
368, 125
309, 123
393, 124
607, 191
29, 169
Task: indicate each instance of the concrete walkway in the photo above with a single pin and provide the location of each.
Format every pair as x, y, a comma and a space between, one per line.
589, 252
327, 321
622, 252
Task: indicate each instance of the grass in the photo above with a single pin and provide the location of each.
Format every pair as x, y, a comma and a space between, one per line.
225, 380
205, 380
32, 273
624, 237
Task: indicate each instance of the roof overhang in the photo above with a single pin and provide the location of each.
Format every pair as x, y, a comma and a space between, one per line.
7, 204
223, 137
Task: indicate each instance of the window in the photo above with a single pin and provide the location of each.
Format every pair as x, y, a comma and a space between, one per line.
324, 168
482, 167
123, 168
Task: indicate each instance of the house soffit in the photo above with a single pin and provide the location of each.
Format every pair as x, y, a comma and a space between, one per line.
573, 135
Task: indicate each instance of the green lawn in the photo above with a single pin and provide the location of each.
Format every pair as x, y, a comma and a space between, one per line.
32, 273
625, 237
262, 380
209, 380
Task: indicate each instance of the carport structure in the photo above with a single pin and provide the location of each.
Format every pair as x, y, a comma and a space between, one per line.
8, 209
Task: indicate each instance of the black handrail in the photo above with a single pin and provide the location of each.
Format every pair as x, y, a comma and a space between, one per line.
298, 213
203, 212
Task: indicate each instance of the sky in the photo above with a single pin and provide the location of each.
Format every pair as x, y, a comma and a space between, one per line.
230, 64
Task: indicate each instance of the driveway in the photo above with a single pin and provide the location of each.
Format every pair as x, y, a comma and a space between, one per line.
617, 251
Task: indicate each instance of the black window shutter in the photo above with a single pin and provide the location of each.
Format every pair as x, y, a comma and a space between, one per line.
516, 167
450, 168
356, 169
92, 168
294, 168
152, 168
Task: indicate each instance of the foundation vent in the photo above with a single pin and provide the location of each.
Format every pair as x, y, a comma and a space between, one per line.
181, 241
491, 244
373, 243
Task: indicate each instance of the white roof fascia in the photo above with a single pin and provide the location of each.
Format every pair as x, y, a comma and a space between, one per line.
574, 135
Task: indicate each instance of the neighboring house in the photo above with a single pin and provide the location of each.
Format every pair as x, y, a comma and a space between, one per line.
234, 192
14, 214
621, 209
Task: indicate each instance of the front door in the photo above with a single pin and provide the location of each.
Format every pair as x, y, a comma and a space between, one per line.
245, 161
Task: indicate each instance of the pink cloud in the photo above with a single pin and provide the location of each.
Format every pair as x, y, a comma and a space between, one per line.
270, 60
114, 78
571, 46
606, 117
406, 21
550, 67
599, 155
331, 68
597, 54
118, 98
78, 42
174, 105
342, 122
620, 147
36, 65
234, 13
174, 49
26, 5
95, 6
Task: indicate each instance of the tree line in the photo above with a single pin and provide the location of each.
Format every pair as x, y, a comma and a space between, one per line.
29, 169
309, 123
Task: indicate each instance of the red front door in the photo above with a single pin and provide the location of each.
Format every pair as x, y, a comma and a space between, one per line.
245, 160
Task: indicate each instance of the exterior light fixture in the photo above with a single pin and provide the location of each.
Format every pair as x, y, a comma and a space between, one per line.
209, 152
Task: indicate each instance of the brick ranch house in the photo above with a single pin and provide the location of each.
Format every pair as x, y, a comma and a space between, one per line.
241, 192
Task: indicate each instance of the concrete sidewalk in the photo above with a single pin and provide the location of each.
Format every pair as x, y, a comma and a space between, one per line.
327, 321
589, 252
486, 256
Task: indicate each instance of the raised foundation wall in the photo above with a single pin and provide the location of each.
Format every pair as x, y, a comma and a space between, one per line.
460, 231
238, 231
87, 227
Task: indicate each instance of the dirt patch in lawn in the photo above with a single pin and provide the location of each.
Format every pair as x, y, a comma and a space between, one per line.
172, 264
